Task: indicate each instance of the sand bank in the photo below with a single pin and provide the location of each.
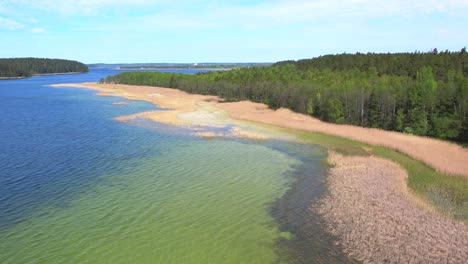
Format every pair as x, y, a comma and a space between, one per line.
120, 103
201, 113
56, 73
378, 220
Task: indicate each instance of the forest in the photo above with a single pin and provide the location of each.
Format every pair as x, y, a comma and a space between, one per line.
26, 67
421, 93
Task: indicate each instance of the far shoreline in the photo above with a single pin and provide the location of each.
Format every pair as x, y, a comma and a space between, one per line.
56, 73
39, 74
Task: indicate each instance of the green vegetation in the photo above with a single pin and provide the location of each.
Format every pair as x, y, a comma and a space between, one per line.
419, 93
26, 67
446, 193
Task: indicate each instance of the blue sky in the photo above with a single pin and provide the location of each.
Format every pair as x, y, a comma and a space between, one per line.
225, 31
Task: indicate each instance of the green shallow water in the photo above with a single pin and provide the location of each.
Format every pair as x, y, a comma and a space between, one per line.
201, 201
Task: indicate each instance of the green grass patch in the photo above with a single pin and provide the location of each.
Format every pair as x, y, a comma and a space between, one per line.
448, 194
338, 144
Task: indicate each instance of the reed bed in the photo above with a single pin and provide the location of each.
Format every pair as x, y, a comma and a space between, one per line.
378, 221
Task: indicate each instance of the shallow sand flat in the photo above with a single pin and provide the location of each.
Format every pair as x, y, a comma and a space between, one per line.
182, 109
120, 103
378, 221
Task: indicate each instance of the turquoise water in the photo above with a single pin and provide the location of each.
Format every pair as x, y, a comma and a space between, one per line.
78, 187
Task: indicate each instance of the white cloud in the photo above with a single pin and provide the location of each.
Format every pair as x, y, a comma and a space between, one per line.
10, 24
79, 7
175, 21
280, 10
290, 11
313, 12
37, 30
190, 14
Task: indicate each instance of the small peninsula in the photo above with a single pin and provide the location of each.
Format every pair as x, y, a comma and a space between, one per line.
12, 68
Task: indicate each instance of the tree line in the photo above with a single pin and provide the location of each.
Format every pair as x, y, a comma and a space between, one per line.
419, 93
26, 67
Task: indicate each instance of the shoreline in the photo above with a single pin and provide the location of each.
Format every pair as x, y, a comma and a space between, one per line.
197, 112
373, 221
39, 74
12, 78
192, 110
55, 73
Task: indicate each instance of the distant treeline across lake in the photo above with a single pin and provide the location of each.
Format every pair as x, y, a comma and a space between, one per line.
26, 67
419, 93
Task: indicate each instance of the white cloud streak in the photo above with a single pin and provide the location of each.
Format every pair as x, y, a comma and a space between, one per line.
285, 10
187, 14
37, 30
293, 11
10, 24
80, 7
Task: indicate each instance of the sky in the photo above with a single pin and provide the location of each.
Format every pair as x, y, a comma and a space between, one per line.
125, 31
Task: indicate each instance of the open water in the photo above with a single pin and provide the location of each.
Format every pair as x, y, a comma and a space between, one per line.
77, 186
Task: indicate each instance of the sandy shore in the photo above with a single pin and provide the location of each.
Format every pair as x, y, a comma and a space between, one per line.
56, 73
39, 74
201, 113
194, 110
378, 221
120, 103
11, 78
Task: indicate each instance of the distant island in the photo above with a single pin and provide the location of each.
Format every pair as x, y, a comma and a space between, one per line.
27, 67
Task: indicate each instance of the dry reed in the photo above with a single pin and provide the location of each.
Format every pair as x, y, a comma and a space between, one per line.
378, 221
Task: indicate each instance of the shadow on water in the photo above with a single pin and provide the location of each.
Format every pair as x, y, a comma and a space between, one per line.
307, 241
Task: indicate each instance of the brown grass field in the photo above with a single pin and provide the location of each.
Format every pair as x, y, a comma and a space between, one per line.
378, 221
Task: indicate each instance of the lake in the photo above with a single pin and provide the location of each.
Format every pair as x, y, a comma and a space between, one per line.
77, 186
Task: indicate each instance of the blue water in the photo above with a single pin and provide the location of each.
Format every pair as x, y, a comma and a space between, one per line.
67, 167
51, 138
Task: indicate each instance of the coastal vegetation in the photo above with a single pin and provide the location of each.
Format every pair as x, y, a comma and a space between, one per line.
425, 94
377, 221
446, 193
26, 67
